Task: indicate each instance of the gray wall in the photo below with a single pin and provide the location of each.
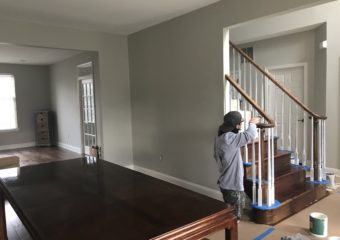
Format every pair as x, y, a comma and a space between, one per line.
32, 94
176, 74
114, 90
65, 97
319, 103
288, 49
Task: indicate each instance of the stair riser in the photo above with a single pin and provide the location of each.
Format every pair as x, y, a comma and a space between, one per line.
250, 147
288, 181
282, 184
282, 163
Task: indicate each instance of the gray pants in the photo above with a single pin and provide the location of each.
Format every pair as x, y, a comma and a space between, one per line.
236, 199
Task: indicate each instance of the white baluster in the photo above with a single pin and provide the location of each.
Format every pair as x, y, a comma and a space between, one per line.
324, 149
297, 161
259, 189
262, 93
312, 151
253, 168
273, 171
304, 155
282, 121
289, 126
319, 151
230, 97
234, 63
269, 169
256, 90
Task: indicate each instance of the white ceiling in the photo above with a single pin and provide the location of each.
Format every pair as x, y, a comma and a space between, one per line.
112, 16
15, 54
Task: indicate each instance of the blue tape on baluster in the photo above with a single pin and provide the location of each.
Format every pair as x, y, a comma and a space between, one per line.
250, 179
266, 207
307, 168
247, 164
264, 234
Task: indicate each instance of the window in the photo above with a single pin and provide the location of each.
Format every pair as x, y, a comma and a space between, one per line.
8, 108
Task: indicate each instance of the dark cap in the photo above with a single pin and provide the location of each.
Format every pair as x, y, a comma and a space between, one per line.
232, 118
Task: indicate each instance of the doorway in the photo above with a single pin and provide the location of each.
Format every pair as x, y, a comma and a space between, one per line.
87, 107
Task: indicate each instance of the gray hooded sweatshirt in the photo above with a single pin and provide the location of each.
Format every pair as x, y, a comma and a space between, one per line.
228, 157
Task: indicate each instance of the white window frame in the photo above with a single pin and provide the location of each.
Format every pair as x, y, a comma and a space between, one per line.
16, 128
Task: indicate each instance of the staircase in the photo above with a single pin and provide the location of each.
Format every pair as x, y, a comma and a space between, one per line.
284, 172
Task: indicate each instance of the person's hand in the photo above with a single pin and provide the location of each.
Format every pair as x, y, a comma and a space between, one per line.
255, 120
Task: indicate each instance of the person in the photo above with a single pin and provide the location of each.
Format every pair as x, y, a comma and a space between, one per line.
227, 154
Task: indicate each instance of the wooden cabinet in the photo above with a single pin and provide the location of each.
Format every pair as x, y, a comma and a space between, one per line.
44, 128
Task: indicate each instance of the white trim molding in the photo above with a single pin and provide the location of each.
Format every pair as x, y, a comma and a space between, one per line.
18, 145
69, 147
179, 182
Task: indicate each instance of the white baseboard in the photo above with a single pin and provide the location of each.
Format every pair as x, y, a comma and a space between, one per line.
69, 147
179, 182
19, 145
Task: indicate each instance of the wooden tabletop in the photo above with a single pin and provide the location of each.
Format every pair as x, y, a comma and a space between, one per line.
88, 199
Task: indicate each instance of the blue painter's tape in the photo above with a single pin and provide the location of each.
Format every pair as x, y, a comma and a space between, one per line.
247, 164
256, 180
323, 182
307, 168
266, 207
264, 234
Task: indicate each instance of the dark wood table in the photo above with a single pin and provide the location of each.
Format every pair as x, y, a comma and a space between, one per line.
86, 199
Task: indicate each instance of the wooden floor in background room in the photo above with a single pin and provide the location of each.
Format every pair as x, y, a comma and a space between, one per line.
30, 156
37, 155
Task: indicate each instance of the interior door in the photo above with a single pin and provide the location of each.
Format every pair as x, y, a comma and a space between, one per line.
284, 110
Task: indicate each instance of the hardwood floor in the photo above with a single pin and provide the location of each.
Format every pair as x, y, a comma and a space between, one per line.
37, 155
30, 156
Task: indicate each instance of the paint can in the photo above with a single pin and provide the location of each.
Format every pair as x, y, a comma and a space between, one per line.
318, 224
331, 178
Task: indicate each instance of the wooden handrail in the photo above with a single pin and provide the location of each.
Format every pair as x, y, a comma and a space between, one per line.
297, 101
270, 123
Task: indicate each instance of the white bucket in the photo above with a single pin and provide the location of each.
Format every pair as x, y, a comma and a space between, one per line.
318, 224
